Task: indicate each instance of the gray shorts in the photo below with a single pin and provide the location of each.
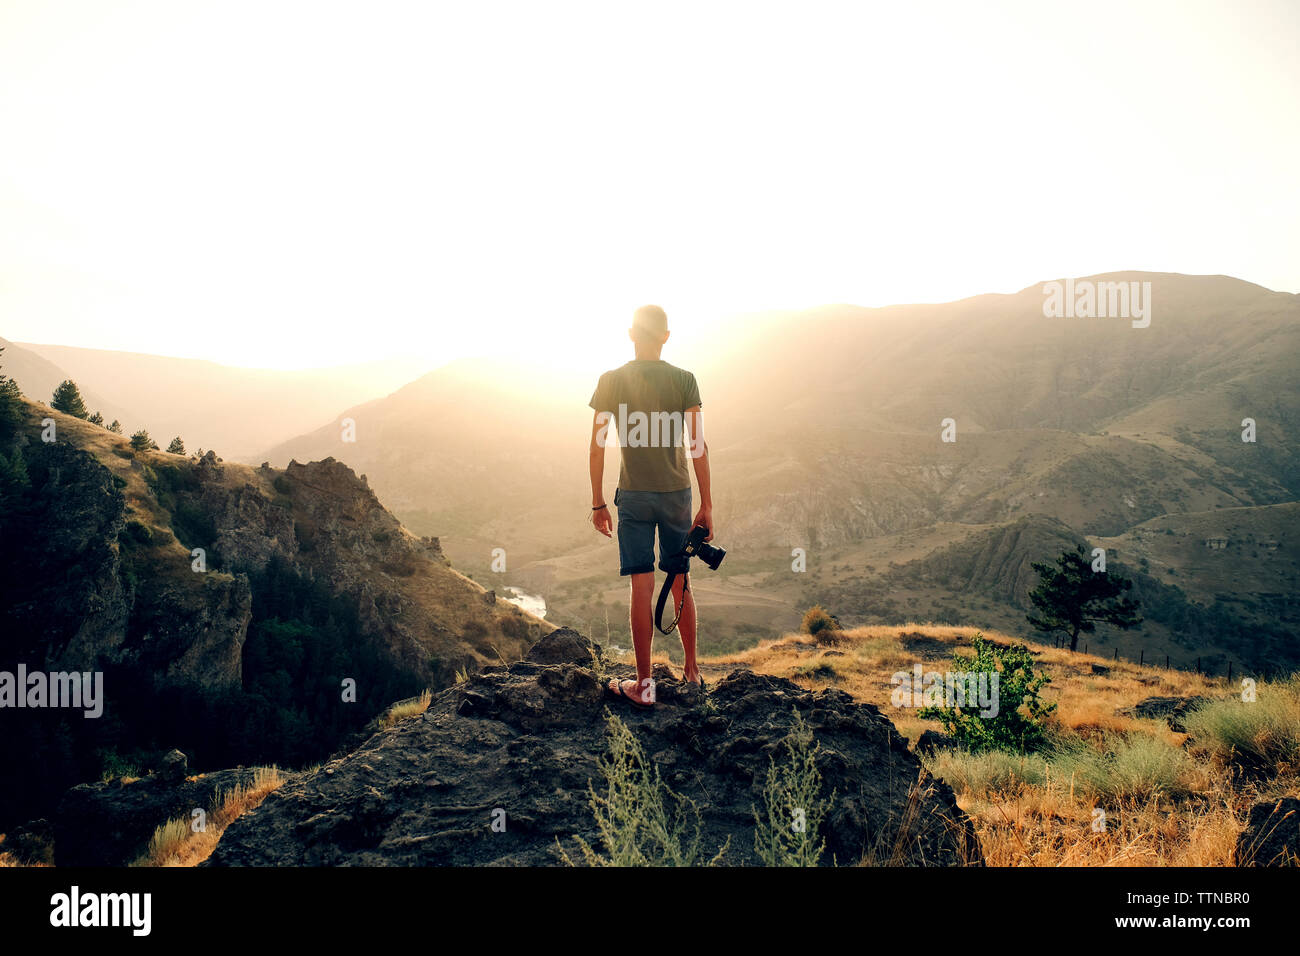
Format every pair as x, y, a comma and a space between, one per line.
639, 514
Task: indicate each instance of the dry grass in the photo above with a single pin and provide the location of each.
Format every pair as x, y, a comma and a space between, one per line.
175, 844
8, 859
1165, 805
408, 708
1050, 827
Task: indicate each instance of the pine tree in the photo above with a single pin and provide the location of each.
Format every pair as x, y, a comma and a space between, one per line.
67, 399
141, 441
177, 447
1073, 599
11, 405
116, 427
96, 419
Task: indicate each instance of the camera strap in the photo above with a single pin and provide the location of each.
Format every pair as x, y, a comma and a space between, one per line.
666, 590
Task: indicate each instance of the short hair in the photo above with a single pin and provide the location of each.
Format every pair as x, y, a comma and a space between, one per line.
649, 323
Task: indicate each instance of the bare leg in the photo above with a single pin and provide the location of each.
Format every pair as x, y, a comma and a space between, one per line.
686, 628
643, 589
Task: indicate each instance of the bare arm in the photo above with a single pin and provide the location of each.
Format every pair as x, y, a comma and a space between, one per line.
699, 452
596, 466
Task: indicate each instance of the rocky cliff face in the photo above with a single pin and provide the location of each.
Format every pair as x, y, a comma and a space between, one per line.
161, 569
108, 539
518, 745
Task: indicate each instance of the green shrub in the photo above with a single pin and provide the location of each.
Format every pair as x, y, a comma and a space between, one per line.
1019, 723
113, 766
193, 526
137, 532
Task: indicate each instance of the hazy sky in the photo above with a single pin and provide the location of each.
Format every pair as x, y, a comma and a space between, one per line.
294, 184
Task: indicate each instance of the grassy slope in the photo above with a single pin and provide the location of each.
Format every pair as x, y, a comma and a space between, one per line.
1183, 806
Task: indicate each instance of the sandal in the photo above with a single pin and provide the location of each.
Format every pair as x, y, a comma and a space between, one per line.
616, 687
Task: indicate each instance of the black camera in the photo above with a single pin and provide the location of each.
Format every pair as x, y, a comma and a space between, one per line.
697, 547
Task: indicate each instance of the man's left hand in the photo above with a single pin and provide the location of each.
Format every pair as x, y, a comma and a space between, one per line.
704, 517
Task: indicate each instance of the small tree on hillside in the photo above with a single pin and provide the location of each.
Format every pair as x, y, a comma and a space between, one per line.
67, 399
116, 427
1072, 598
1020, 721
96, 419
141, 441
177, 447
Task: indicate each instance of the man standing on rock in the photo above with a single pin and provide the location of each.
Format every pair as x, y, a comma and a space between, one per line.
649, 406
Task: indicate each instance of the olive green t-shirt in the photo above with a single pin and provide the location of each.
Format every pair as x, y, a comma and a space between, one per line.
648, 399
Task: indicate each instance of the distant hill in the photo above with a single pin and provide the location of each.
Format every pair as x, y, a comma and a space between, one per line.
235, 411
481, 453
1220, 586
38, 377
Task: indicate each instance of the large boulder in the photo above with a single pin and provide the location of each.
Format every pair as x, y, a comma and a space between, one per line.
518, 745
564, 646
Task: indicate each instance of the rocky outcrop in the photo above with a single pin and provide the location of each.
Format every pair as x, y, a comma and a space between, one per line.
324, 521
1272, 834
158, 569
110, 823
1172, 709
518, 745
64, 602
932, 742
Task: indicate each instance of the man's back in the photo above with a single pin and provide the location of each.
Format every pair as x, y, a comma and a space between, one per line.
647, 399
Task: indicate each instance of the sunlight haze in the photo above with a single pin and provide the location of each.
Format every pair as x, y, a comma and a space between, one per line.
292, 185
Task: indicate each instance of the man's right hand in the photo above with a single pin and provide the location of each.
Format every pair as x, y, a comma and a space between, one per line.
603, 522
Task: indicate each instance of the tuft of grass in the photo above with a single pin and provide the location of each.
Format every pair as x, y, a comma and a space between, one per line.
167, 840
1131, 769
820, 669
641, 822
176, 843
1263, 734
407, 708
821, 624
986, 773
793, 805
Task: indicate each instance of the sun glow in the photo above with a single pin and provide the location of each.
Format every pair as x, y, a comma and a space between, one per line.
297, 184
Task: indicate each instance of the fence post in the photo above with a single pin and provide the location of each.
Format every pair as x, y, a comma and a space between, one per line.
1166, 662
1142, 658
1229, 672
1117, 653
